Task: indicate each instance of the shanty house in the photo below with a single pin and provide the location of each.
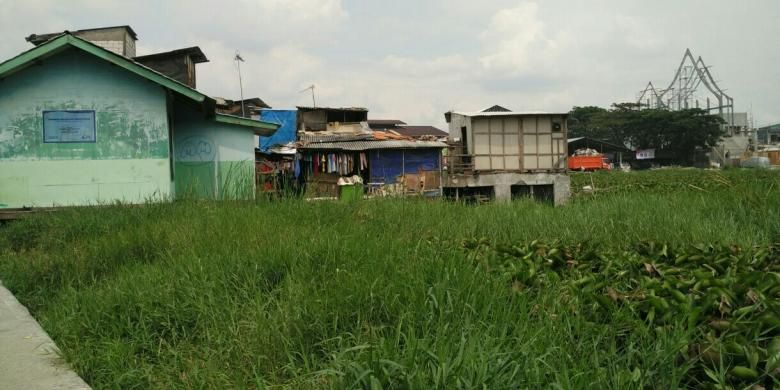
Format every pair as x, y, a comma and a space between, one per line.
81, 124
503, 154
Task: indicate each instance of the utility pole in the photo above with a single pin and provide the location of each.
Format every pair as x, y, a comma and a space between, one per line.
239, 60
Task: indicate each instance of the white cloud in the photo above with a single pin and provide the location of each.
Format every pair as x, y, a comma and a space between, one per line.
328, 11
516, 41
414, 60
408, 66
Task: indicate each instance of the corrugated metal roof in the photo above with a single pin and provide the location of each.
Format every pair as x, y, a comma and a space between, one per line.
385, 122
373, 145
331, 137
306, 108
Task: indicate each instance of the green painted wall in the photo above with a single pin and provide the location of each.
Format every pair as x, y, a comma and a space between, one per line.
212, 160
129, 160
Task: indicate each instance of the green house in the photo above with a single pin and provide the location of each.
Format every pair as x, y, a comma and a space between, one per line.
81, 125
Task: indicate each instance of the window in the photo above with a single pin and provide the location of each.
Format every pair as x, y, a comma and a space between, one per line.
73, 126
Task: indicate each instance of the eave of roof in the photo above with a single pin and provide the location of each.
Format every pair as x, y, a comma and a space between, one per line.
261, 127
510, 113
386, 122
195, 53
356, 109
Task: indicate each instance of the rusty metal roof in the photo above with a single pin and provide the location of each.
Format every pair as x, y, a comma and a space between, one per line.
419, 131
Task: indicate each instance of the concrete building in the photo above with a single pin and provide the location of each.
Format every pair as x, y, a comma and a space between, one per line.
769, 135
81, 124
503, 155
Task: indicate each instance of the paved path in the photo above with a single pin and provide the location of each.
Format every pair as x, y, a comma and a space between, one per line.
28, 358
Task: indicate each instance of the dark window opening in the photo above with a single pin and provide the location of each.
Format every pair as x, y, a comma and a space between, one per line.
470, 195
541, 193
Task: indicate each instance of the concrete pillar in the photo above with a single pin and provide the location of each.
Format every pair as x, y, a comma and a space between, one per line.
502, 192
561, 189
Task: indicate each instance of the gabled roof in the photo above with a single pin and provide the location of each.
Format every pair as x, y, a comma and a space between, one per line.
496, 108
66, 41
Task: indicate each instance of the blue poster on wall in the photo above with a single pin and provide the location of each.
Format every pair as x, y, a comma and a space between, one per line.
68, 126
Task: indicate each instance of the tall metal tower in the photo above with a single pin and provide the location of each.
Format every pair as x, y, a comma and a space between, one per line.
685, 91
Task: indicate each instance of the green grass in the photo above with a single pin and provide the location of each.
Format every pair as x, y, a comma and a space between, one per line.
372, 294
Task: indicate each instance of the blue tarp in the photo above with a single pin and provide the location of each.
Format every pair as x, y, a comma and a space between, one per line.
287, 129
386, 165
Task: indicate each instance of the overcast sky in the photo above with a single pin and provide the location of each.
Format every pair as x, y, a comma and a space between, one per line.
415, 59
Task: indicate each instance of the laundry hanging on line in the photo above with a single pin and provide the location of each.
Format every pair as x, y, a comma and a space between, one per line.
342, 163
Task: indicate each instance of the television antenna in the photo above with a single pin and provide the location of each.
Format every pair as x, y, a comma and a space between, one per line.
311, 87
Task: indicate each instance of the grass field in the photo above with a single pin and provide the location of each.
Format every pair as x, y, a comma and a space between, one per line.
656, 279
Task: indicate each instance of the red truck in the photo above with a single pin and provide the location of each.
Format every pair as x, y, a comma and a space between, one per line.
589, 163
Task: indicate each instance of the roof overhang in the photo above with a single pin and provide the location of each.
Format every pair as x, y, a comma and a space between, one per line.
194, 52
261, 128
510, 113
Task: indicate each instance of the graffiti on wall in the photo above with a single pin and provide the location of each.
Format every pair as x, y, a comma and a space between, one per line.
196, 150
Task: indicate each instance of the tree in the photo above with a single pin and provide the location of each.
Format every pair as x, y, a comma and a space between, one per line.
677, 133
583, 121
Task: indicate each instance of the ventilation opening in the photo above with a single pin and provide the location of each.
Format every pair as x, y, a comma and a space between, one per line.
542, 193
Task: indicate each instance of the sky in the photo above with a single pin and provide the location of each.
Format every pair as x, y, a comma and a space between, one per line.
416, 59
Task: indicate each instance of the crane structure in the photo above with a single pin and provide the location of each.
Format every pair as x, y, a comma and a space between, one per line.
685, 91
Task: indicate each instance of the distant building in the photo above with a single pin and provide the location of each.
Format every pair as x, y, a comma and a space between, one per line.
769, 135
736, 123
505, 154
82, 124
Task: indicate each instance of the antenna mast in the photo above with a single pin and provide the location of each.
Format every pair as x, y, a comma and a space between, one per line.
239, 60
311, 87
